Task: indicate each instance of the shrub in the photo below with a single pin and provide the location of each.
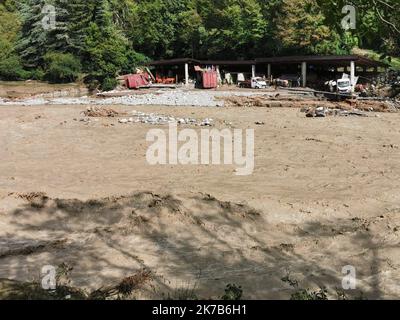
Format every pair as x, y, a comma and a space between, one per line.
232, 292
61, 67
134, 60
36, 74
11, 69
306, 294
109, 84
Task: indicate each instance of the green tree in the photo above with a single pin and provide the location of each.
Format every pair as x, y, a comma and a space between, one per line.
378, 22
107, 50
61, 67
110, 37
32, 44
10, 63
302, 28
234, 29
72, 20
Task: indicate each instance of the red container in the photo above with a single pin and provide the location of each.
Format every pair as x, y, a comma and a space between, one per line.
135, 81
210, 79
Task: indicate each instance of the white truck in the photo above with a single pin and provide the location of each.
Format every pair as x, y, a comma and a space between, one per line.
258, 83
343, 85
254, 83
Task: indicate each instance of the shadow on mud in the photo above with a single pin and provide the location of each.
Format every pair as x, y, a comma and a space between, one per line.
203, 242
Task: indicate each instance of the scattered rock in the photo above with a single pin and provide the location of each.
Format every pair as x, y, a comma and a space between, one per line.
392, 146
206, 123
157, 119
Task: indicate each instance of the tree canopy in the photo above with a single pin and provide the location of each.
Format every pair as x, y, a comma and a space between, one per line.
108, 37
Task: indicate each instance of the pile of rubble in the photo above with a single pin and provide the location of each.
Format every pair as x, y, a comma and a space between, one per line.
312, 112
100, 112
157, 119
275, 100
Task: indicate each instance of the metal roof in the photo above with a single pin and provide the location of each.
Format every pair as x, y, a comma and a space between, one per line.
173, 62
200, 62
327, 59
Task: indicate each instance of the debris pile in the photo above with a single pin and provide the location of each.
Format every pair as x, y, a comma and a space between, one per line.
316, 106
157, 119
99, 112
322, 112
389, 105
288, 100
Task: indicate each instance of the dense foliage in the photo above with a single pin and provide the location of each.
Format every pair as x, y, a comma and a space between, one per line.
61, 67
102, 38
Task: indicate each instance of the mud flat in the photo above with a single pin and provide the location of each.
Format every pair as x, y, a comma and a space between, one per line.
324, 194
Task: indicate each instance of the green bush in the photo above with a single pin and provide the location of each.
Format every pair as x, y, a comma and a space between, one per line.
11, 69
36, 74
306, 294
109, 84
134, 59
232, 292
61, 67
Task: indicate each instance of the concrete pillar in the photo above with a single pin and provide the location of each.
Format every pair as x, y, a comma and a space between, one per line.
304, 74
219, 78
253, 70
352, 73
269, 71
186, 74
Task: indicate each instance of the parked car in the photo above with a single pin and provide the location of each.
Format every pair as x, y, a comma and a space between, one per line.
258, 83
254, 83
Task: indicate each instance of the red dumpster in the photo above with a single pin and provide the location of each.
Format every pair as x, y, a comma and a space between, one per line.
136, 81
210, 79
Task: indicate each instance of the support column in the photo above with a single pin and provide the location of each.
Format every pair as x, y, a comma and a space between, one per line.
304, 74
253, 70
219, 78
352, 74
269, 71
186, 74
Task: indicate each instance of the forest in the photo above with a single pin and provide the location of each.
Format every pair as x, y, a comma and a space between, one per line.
95, 40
